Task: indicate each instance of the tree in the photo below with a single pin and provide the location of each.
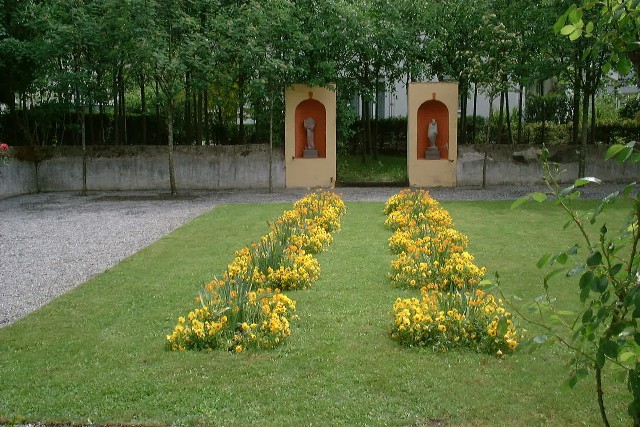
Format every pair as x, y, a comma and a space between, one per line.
172, 36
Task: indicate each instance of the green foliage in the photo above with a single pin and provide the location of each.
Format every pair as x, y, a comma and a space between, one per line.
611, 26
604, 334
630, 108
606, 109
553, 107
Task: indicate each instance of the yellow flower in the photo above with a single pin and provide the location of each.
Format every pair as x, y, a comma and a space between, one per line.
238, 349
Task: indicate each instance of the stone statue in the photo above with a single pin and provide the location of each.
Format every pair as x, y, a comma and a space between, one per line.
432, 133
310, 125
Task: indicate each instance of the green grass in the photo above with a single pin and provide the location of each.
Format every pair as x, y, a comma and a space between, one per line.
96, 354
385, 169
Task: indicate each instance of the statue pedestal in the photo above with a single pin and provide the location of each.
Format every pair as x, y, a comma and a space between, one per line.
432, 153
310, 153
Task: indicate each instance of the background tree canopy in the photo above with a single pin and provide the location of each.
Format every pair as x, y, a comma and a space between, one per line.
143, 71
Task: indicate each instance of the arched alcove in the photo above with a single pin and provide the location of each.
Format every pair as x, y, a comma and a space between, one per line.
316, 110
427, 111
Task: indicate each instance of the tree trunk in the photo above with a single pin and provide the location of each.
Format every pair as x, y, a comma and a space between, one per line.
575, 130
123, 105
199, 119
500, 118
475, 112
584, 136
520, 108
116, 110
509, 130
187, 109
84, 152
491, 99
143, 108
271, 145
463, 112
172, 176
206, 117
158, 125
241, 109
592, 133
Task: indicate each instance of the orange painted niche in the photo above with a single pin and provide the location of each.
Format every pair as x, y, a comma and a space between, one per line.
314, 109
433, 109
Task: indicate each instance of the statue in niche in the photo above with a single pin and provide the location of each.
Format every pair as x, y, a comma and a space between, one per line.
432, 133
310, 125
432, 152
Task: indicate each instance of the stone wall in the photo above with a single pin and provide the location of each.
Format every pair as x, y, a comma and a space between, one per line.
140, 168
247, 166
513, 164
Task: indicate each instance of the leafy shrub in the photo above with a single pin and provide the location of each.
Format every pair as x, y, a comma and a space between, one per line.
553, 107
630, 108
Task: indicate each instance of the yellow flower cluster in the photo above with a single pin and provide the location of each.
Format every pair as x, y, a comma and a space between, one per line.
449, 320
246, 307
430, 251
452, 312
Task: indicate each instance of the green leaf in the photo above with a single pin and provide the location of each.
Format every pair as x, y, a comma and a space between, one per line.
610, 349
586, 279
594, 259
571, 382
576, 270
575, 16
539, 197
615, 269
543, 260
586, 180
602, 284
589, 28
575, 35
551, 274
502, 327
566, 191
545, 154
519, 201
561, 258
587, 316
560, 23
567, 29
584, 294
613, 151
623, 66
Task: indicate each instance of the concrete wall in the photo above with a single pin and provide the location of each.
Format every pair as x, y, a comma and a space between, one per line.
246, 166
512, 164
17, 177
142, 168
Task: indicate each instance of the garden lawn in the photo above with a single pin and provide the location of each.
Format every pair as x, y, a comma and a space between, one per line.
387, 168
97, 354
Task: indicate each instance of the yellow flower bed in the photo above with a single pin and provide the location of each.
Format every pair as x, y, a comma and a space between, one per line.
452, 311
443, 321
246, 307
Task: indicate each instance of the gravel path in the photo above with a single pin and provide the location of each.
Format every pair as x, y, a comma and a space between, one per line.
52, 242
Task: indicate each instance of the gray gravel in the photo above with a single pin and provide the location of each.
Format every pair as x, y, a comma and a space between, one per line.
52, 242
